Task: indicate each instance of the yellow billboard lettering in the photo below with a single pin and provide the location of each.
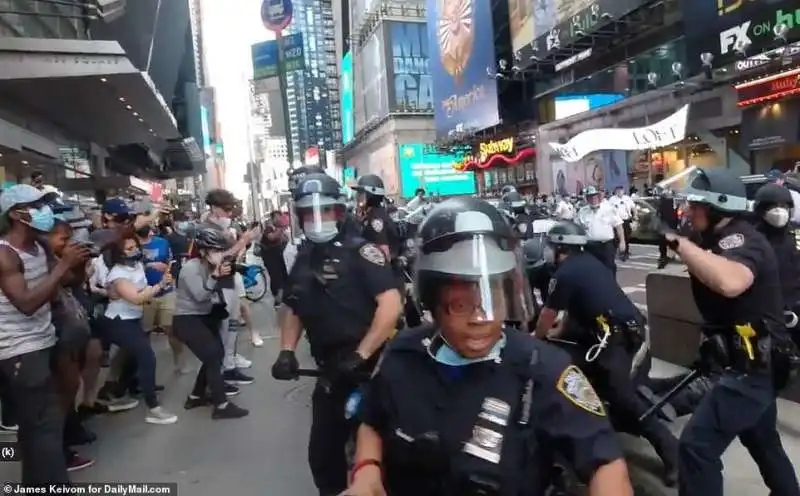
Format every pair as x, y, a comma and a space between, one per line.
485, 150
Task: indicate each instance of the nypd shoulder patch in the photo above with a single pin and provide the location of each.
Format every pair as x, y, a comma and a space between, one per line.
576, 388
372, 254
377, 225
731, 241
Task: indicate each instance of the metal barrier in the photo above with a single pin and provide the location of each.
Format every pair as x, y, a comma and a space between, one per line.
674, 322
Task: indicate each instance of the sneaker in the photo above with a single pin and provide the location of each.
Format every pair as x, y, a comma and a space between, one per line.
192, 402
231, 390
229, 411
257, 340
121, 404
9, 428
241, 362
77, 462
235, 376
160, 416
106, 392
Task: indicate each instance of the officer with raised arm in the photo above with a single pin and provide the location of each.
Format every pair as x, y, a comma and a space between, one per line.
736, 285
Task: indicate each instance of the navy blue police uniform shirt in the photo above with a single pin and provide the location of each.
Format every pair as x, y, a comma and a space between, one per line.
410, 395
378, 228
332, 289
586, 289
786, 246
741, 242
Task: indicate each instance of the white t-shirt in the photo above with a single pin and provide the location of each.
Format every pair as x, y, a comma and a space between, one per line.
624, 206
599, 223
100, 274
120, 308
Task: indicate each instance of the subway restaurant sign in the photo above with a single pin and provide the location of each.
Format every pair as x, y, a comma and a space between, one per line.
492, 152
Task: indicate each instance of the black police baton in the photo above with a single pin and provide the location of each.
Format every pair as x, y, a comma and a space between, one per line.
694, 374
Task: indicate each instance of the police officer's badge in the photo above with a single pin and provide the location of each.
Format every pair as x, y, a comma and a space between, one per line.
731, 241
575, 387
372, 254
377, 225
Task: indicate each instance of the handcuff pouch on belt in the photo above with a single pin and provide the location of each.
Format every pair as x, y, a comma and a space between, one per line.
627, 334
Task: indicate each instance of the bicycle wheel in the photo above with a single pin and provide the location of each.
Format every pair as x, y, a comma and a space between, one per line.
257, 286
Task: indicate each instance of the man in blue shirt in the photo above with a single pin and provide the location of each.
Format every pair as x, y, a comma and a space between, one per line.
158, 311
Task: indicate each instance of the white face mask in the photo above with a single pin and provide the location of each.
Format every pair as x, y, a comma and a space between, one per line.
322, 232
777, 217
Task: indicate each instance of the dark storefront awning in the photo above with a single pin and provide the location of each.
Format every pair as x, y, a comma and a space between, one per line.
183, 158
88, 87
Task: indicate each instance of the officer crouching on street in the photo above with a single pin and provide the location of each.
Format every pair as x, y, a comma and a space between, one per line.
736, 285
516, 205
774, 207
457, 407
601, 222
341, 290
603, 332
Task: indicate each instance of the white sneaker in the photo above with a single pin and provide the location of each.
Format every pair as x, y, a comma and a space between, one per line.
241, 362
257, 340
121, 404
160, 416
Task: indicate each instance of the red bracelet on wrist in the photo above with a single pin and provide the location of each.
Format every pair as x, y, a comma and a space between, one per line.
363, 463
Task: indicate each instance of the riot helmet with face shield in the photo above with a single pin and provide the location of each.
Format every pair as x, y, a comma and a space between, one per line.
713, 195
565, 238
320, 207
370, 191
469, 265
514, 202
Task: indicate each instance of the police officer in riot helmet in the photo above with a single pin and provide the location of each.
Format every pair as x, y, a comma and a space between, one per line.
449, 395
539, 268
516, 205
604, 330
773, 208
377, 226
736, 285
342, 291
507, 189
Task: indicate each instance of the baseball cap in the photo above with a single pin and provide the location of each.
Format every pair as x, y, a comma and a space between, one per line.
19, 194
116, 206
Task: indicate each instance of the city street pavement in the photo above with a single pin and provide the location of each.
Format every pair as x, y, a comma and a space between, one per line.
265, 453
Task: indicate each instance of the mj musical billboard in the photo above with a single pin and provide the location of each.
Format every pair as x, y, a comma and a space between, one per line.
461, 41
410, 82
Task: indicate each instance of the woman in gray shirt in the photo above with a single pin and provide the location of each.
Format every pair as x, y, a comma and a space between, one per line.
199, 311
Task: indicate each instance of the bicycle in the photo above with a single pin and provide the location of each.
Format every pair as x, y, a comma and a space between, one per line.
255, 281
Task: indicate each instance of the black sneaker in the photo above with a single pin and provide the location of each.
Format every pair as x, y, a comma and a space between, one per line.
88, 411
229, 411
196, 402
231, 390
235, 376
106, 392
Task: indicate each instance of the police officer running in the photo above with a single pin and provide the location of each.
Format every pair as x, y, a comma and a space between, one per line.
341, 290
456, 407
516, 205
735, 282
626, 210
601, 222
377, 226
603, 331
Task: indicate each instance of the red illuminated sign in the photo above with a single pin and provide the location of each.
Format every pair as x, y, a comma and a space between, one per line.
769, 88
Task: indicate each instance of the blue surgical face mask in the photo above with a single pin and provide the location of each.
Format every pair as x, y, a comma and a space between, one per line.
42, 218
446, 355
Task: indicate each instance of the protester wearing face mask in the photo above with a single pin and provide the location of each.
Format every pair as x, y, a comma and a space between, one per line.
222, 207
199, 313
774, 208
128, 292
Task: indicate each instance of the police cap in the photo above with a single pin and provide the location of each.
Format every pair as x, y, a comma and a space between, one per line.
772, 194
718, 188
371, 184
568, 234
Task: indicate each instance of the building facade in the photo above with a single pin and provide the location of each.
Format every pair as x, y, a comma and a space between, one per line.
313, 93
58, 59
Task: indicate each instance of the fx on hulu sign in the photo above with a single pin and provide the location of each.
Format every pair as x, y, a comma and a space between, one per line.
756, 35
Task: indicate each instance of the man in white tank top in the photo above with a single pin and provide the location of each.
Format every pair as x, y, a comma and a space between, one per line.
27, 335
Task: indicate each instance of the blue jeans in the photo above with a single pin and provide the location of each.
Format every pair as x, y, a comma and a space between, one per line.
129, 335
